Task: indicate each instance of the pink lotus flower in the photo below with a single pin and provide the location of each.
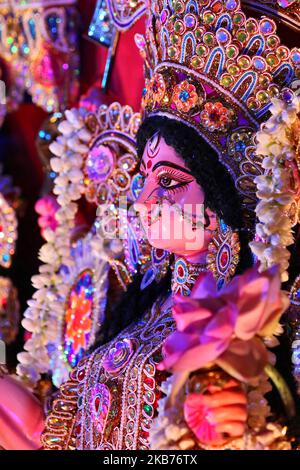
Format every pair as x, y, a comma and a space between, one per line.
46, 207
226, 327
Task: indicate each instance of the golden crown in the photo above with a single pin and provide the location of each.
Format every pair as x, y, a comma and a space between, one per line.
210, 67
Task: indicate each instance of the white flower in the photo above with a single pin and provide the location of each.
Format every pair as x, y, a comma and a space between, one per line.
56, 164
74, 118
84, 135
66, 128
75, 175
57, 149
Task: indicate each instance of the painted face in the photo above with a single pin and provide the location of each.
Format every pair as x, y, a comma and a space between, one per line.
171, 203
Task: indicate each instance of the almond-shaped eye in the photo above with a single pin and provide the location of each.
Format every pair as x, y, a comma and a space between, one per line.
166, 182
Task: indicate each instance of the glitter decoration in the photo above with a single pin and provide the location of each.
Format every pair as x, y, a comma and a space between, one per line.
100, 403
78, 318
100, 163
118, 356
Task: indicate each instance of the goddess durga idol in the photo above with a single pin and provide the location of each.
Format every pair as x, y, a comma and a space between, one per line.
184, 360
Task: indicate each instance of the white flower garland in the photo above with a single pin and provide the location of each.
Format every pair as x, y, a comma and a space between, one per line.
45, 309
278, 206
45, 316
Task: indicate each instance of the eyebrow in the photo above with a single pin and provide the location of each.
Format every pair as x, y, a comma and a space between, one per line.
172, 165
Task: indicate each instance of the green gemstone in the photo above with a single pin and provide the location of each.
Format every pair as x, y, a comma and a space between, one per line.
198, 33
208, 39
237, 19
231, 52
178, 27
242, 36
171, 51
208, 18
148, 409
201, 50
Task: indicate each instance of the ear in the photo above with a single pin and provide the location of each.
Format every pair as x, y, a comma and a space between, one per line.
212, 216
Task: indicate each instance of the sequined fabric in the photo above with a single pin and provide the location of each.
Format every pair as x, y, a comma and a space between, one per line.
116, 392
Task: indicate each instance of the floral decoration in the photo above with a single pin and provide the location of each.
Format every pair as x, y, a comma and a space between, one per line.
158, 87
46, 207
185, 96
216, 117
118, 356
278, 189
226, 329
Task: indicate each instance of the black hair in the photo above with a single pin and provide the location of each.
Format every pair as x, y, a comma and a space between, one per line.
221, 197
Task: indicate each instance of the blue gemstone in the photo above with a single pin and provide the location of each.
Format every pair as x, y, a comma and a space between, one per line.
190, 21
220, 284
52, 21
259, 64
223, 226
32, 28
222, 36
144, 91
240, 146
148, 278
231, 4
137, 185
184, 96
6, 258
296, 57
51, 347
267, 27
64, 269
287, 95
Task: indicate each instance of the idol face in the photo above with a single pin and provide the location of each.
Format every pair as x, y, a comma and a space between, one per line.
171, 203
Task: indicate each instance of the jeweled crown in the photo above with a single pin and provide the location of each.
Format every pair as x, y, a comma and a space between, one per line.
217, 71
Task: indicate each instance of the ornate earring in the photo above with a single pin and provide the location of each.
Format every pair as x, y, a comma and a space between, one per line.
223, 253
160, 262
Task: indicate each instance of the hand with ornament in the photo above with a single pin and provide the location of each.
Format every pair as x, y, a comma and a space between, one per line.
21, 416
218, 411
222, 334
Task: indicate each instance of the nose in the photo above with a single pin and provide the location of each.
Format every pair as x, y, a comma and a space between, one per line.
144, 194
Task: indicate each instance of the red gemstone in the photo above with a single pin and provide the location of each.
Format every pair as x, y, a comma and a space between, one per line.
144, 435
78, 429
97, 403
81, 375
150, 382
159, 253
224, 259
180, 271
